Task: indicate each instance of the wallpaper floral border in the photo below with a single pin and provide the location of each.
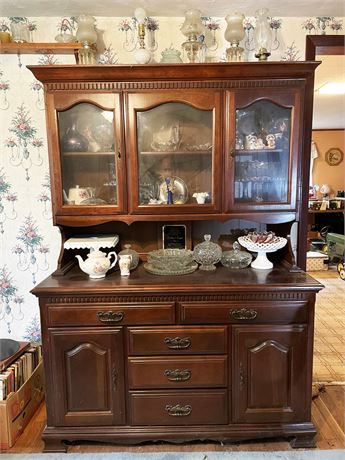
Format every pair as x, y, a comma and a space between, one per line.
29, 243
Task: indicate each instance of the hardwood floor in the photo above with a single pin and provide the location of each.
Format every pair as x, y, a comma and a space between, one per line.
328, 414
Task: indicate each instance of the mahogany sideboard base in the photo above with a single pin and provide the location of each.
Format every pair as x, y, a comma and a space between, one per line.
302, 434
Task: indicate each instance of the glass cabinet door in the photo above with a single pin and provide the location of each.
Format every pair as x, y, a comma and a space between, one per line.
175, 155
261, 154
89, 151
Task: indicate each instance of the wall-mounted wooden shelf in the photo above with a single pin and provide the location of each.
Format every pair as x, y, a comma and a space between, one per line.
40, 48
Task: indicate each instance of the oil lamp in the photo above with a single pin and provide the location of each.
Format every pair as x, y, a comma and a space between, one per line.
262, 35
192, 28
234, 33
141, 55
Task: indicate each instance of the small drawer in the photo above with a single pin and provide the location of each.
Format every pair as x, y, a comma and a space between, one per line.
177, 340
179, 407
244, 312
109, 315
201, 371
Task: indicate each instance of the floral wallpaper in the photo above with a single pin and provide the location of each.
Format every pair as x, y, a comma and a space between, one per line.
29, 244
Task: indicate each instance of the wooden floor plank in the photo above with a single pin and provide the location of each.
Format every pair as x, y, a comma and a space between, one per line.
334, 398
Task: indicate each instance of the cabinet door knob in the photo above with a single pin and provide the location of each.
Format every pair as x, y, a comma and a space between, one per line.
119, 154
244, 313
178, 410
177, 375
178, 343
232, 153
110, 316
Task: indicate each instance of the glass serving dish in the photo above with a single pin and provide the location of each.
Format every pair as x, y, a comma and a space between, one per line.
170, 259
236, 258
207, 254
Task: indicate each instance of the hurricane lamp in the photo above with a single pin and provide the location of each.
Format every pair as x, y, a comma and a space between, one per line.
262, 35
234, 33
192, 28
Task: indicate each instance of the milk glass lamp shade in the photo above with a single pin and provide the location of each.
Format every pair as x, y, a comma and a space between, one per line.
86, 33
140, 15
325, 189
262, 35
192, 25
234, 32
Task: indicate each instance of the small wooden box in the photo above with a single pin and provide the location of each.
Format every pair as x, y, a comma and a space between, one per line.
17, 410
316, 261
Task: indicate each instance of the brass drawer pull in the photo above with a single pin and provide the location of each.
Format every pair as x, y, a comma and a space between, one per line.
178, 343
244, 314
177, 375
110, 316
178, 410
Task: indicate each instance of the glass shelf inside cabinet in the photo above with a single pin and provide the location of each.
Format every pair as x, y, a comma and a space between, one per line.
175, 149
87, 144
262, 153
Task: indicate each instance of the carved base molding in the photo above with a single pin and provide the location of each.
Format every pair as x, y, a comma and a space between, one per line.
302, 434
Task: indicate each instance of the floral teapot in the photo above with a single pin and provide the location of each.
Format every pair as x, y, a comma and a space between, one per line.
97, 263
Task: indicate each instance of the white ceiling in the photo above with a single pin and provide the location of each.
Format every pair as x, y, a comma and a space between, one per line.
329, 110
217, 8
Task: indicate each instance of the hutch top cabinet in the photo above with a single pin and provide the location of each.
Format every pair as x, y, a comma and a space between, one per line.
179, 142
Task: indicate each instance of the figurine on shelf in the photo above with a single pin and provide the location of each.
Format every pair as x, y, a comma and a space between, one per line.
251, 141
170, 190
271, 141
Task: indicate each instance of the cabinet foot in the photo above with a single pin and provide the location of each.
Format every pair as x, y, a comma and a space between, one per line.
303, 440
54, 445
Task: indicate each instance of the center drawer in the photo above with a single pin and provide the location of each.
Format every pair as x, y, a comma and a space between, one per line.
177, 340
179, 407
189, 371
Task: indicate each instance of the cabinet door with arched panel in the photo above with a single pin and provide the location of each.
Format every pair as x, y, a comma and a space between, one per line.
88, 377
270, 373
262, 150
174, 139
87, 157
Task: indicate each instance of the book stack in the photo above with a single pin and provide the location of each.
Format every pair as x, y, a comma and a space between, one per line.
15, 375
22, 389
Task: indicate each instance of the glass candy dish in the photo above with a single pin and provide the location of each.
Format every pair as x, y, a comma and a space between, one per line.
172, 260
130, 252
207, 254
261, 262
236, 258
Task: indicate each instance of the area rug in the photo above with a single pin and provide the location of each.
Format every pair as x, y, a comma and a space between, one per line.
335, 454
329, 342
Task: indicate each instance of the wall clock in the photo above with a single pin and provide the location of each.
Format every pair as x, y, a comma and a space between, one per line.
334, 156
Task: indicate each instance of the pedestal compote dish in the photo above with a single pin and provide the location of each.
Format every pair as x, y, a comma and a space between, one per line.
262, 243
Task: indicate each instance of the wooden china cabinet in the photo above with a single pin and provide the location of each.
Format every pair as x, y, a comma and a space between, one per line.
223, 355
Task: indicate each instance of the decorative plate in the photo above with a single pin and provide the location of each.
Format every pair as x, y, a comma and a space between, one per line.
334, 156
185, 271
180, 193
